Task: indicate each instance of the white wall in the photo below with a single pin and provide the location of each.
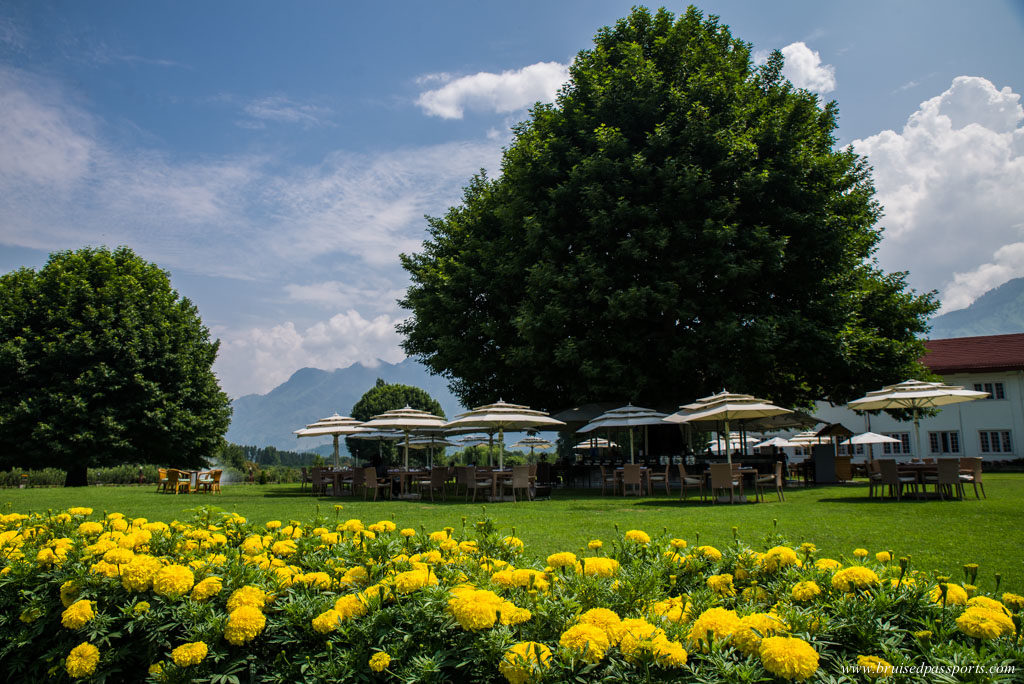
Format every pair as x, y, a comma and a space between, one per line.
968, 419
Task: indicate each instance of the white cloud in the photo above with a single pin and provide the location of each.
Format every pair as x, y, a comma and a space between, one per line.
278, 351
951, 183
283, 110
804, 68
381, 296
484, 91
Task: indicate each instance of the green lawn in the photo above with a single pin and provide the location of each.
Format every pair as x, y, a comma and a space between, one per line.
937, 535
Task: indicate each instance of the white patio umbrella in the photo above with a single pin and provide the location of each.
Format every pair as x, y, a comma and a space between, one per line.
408, 420
723, 408
533, 442
334, 425
777, 442
869, 438
915, 395
627, 416
596, 443
737, 442
504, 416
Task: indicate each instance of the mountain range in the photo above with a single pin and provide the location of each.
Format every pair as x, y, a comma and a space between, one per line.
311, 394
997, 312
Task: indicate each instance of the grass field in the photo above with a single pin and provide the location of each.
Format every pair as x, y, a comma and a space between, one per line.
937, 535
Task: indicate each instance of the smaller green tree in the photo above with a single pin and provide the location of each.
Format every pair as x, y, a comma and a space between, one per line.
382, 398
103, 363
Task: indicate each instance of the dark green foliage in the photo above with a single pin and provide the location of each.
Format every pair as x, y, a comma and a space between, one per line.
678, 222
381, 398
102, 363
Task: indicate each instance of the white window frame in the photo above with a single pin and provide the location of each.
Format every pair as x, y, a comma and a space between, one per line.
1003, 441
901, 449
996, 390
944, 441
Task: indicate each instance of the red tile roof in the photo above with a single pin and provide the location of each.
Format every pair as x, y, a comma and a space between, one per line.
975, 354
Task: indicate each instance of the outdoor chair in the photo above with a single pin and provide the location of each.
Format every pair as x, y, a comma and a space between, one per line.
176, 481
305, 479
972, 464
319, 482
438, 480
687, 481
520, 480
161, 480
947, 479
461, 474
476, 482
608, 479
889, 476
766, 480
657, 477
844, 469
723, 477
632, 476
371, 481
358, 479
210, 483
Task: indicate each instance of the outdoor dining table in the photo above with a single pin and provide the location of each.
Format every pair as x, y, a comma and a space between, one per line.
339, 477
743, 474
917, 470
645, 478
405, 478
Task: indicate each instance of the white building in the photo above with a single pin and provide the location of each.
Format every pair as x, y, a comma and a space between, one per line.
991, 428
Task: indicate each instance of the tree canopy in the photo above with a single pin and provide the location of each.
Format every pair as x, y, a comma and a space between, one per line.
381, 398
678, 221
103, 363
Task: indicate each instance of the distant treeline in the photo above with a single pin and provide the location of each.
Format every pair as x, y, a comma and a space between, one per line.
236, 455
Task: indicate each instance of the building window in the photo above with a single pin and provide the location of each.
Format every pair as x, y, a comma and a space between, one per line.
995, 389
995, 442
852, 449
945, 442
903, 447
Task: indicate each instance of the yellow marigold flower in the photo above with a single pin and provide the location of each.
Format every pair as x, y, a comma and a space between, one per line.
607, 620
138, 574
986, 602
244, 624
30, 615
883, 557
89, 528
273, 525
80, 511
756, 593
809, 548
984, 623
721, 584
350, 606
678, 543
353, 525
82, 660
788, 657
511, 614
778, 557
413, 580
713, 624
327, 621
874, 667
77, 614
585, 641
955, 595
637, 636
1015, 601
285, 548
563, 559
638, 537
408, 532
252, 546
669, 653
753, 628
857, 577
827, 564
526, 662
600, 567
860, 553
173, 581
387, 525
104, 569
503, 577
119, 525
69, 592
514, 543
709, 552
379, 661
468, 547
189, 654
806, 591
141, 608
119, 556
475, 609
356, 575
594, 544
247, 596
208, 588
675, 609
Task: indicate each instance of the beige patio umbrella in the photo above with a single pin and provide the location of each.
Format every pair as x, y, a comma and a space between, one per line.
869, 438
627, 416
915, 395
408, 420
596, 443
504, 416
379, 436
533, 442
335, 426
723, 408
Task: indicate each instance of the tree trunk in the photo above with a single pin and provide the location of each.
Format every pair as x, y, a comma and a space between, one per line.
77, 476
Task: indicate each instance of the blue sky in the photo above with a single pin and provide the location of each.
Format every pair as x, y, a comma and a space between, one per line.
276, 157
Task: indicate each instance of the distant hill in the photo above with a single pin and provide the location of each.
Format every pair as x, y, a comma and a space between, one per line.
997, 312
311, 394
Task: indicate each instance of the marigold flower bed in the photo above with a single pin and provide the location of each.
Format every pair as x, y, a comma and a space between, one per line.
92, 597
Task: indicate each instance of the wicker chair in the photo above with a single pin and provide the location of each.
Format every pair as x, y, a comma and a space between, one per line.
687, 481
723, 476
774, 479
371, 481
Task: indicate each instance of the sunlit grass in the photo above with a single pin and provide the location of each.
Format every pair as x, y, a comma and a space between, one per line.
937, 535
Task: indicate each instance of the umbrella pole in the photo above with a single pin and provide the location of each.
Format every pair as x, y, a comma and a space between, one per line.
632, 459
728, 453
501, 448
917, 434
335, 450
406, 449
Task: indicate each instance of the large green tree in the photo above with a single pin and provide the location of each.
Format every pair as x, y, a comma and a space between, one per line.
103, 363
381, 398
679, 221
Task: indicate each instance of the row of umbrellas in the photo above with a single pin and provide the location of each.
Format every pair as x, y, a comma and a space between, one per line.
715, 412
